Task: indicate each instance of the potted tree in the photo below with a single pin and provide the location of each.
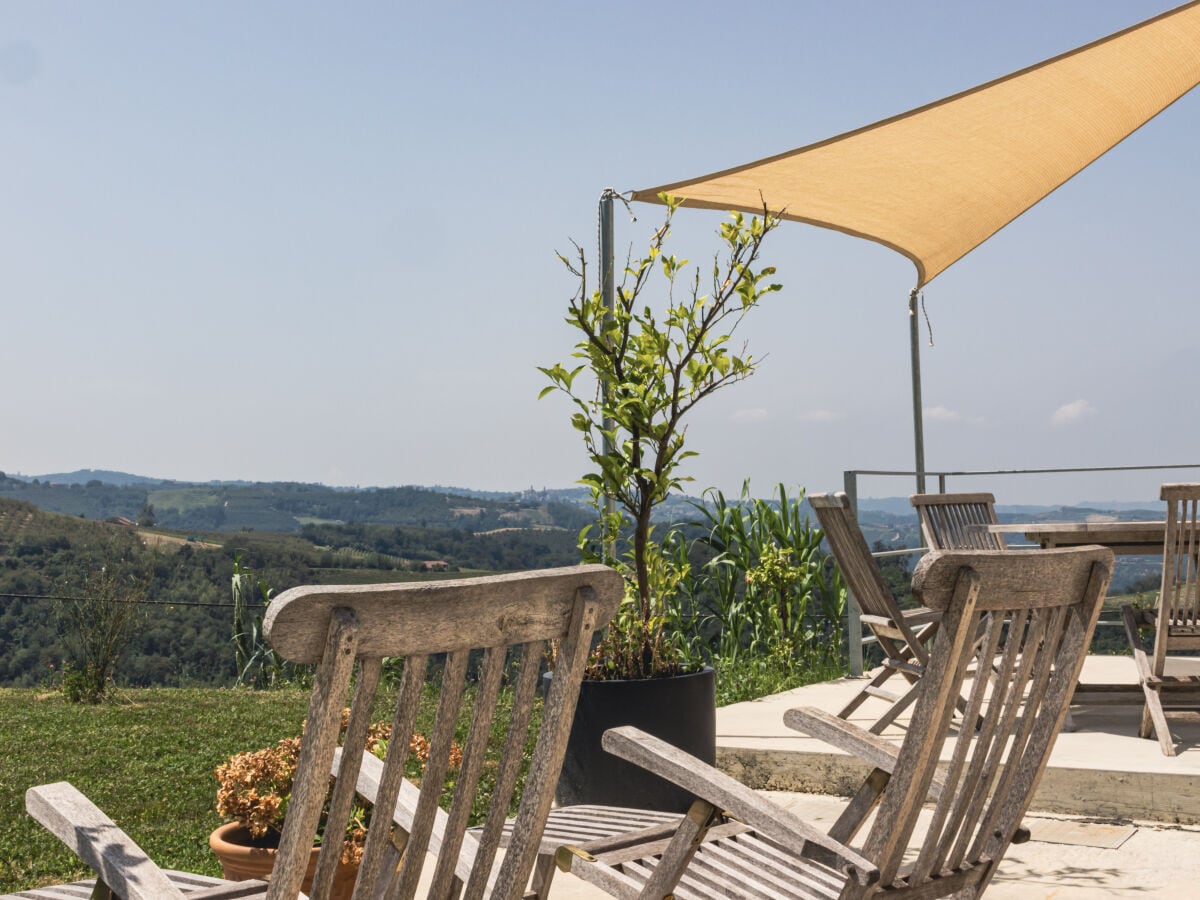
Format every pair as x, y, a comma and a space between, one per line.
639, 374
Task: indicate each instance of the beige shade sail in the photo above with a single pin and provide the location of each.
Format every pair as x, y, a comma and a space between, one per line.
936, 182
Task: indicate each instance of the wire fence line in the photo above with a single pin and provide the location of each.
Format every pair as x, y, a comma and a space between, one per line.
124, 600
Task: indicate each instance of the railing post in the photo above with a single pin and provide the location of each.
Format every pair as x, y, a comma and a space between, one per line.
854, 641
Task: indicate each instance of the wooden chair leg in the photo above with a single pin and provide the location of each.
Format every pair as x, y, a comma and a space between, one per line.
899, 706
865, 694
1154, 720
543, 875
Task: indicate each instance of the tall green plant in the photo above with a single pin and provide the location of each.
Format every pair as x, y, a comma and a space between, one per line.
648, 371
257, 663
100, 619
769, 586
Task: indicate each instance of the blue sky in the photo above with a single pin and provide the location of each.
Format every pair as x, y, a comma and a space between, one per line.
312, 242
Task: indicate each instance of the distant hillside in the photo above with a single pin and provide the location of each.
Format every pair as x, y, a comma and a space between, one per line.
285, 506
185, 638
83, 476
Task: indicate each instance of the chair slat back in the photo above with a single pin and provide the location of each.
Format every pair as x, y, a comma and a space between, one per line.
1179, 598
477, 644
958, 521
853, 556
1026, 620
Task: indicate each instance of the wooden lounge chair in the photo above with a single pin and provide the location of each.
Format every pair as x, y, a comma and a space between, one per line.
957, 521
904, 635
1175, 621
348, 631
1039, 612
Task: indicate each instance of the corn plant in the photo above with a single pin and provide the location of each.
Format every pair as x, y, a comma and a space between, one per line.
769, 587
257, 663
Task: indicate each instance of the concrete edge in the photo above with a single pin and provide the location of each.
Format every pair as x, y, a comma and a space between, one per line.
1092, 793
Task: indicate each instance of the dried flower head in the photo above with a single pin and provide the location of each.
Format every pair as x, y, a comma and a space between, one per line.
254, 788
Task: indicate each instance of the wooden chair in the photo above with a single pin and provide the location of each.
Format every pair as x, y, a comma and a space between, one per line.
958, 521
1039, 612
904, 635
1175, 621
348, 631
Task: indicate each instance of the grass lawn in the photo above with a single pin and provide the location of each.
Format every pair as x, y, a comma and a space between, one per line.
146, 760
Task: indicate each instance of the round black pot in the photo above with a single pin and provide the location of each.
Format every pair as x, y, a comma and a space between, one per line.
680, 710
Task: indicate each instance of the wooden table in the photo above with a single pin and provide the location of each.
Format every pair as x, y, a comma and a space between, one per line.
1121, 537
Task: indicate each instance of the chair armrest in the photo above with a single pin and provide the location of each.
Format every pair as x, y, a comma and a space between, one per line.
94, 837
921, 615
846, 736
737, 800
369, 775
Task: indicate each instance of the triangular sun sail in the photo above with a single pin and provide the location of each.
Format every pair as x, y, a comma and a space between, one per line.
936, 182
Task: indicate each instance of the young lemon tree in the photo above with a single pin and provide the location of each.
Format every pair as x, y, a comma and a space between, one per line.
647, 371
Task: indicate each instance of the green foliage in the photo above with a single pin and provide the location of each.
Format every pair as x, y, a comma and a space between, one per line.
183, 640
100, 613
634, 646
773, 673
257, 663
146, 517
646, 372
769, 590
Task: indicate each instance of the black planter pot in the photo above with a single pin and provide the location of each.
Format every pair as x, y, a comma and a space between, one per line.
680, 710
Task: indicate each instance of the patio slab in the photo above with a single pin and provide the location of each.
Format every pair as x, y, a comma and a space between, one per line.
1101, 769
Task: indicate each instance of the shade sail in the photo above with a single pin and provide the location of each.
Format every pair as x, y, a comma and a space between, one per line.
936, 182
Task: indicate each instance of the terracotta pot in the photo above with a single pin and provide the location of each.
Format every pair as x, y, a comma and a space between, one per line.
241, 860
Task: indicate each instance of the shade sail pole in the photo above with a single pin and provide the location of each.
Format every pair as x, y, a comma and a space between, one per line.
608, 292
918, 424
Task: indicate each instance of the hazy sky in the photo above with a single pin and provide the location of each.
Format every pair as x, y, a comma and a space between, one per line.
315, 242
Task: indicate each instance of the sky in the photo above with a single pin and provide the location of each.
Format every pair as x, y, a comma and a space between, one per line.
316, 242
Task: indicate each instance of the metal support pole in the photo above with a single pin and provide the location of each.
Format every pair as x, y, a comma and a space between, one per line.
608, 293
853, 612
918, 425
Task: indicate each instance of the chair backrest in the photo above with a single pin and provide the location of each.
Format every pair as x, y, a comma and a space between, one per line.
1024, 619
853, 556
958, 521
495, 630
1179, 596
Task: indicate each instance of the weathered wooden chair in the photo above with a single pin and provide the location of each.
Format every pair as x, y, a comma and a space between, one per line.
904, 635
957, 521
1039, 611
1175, 621
348, 631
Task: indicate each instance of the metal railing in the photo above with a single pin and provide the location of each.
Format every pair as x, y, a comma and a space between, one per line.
851, 480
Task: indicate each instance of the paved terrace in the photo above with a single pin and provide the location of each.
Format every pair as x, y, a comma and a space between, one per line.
1113, 817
